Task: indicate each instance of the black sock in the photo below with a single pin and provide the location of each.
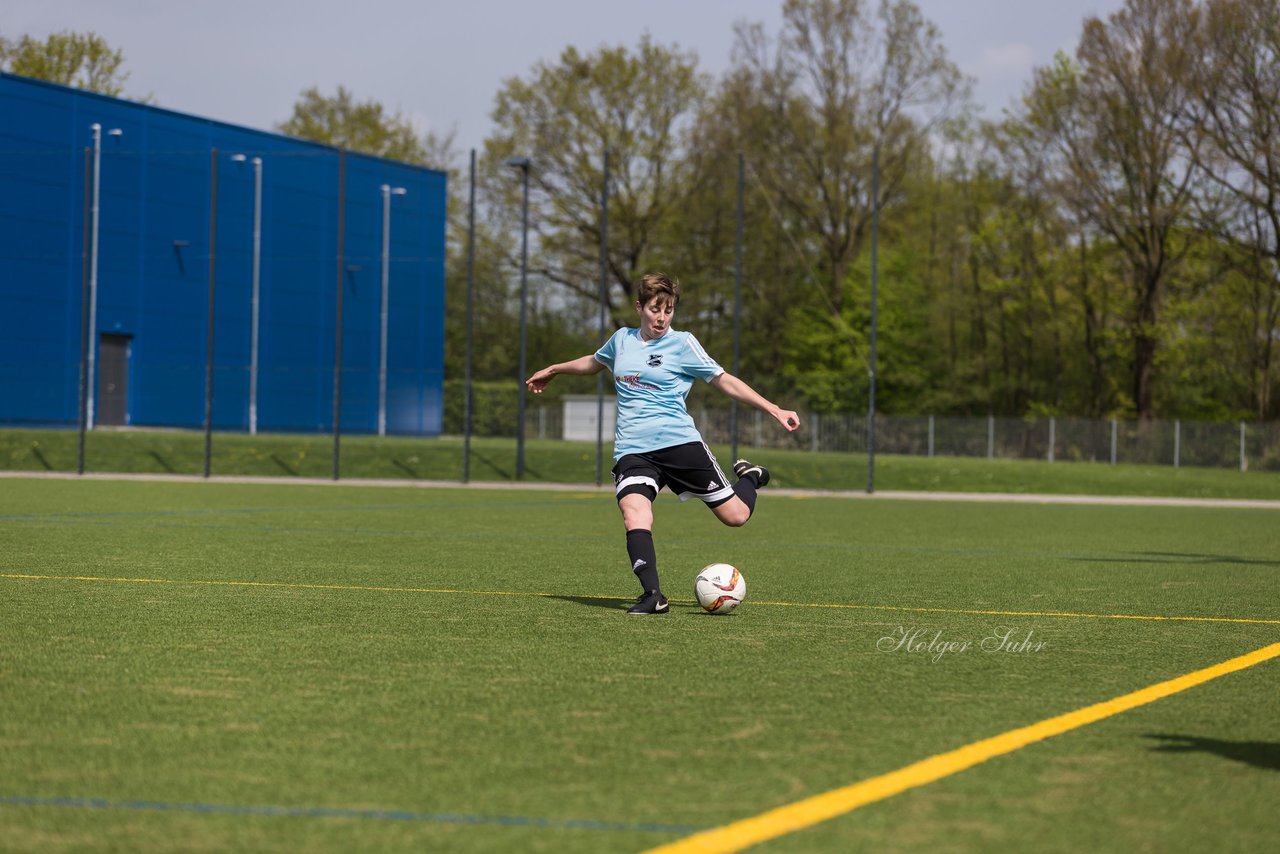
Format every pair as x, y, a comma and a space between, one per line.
745, 489
644, 558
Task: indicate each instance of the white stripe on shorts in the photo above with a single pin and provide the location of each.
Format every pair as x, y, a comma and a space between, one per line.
633, 480
708, 497
720, 494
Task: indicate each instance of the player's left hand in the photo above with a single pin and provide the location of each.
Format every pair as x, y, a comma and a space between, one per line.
788, 419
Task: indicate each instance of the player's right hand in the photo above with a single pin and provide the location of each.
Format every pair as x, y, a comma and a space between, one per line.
538, 381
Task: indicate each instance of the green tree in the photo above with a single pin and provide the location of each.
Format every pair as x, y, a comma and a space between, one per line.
1233, 132
841, 83
1110, 119
82, 60
635, 104
365, 126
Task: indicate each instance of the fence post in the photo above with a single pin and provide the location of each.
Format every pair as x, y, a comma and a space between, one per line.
542, 422
930, 435
1244, 463
813, 435
991, 437
1052, 429
1177, 441
759, 423
1113, 441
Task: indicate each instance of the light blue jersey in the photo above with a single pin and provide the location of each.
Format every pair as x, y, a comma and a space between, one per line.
652, 379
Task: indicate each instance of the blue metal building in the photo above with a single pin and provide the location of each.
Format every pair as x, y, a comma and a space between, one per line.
154, 237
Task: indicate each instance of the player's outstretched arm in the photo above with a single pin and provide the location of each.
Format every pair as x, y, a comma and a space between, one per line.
743, 393
585, 366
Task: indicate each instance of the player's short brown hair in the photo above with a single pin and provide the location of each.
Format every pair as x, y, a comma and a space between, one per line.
657, 284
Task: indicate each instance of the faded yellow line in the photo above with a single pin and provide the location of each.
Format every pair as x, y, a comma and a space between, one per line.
810, 811
288, 584
465, 592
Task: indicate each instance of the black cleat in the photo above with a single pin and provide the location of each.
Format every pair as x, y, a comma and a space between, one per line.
650, 603
742, 468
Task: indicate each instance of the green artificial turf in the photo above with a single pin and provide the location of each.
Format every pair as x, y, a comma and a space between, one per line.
400, 458
300, 667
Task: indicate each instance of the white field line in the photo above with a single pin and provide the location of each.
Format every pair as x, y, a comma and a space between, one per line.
891, 495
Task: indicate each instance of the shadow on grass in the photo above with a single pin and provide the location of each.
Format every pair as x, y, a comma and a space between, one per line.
501, 472
1259, 754
288, 469
39, 455
598, 602
162, 462
1180, 559
621, 605
1200, 558
407, 469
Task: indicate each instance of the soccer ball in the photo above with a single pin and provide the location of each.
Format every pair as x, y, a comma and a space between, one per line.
720, 588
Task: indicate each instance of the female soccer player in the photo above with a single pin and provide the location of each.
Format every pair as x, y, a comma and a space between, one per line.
656, 443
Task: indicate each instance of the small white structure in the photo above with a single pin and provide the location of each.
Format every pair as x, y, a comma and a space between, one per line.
580, 417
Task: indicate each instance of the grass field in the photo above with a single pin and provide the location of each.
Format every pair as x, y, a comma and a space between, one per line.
192, 666
399, 458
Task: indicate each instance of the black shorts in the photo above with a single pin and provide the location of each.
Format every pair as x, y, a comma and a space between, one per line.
689, 470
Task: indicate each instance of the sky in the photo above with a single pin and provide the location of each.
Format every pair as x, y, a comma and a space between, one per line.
441, 63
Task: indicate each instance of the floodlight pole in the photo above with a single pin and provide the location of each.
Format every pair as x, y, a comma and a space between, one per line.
871, 366
208, 359
522, 163
84, 318
387, 192
337, 332
471, 298
254, 298
257, 293
737, 303
604, 301
91, 379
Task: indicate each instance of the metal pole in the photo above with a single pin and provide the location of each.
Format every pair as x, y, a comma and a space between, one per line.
1177, 442
257, 274
382, 340
387, 192
83, 378
604, 299
1244, 463
337, 339
871, 368
1052, 437
93, 274
930, 435
991, 436
471, 296
737, 304
208, 358
524, 300
1113, 441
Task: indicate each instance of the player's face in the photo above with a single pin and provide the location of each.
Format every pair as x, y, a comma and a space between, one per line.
655, 317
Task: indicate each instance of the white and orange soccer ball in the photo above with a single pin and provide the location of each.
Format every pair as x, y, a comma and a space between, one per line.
720, 588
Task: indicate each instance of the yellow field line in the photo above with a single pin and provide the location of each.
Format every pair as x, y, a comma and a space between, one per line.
810, 811
463, 592
285, 584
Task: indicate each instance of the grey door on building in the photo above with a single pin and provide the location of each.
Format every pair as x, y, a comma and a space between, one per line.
113, 379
